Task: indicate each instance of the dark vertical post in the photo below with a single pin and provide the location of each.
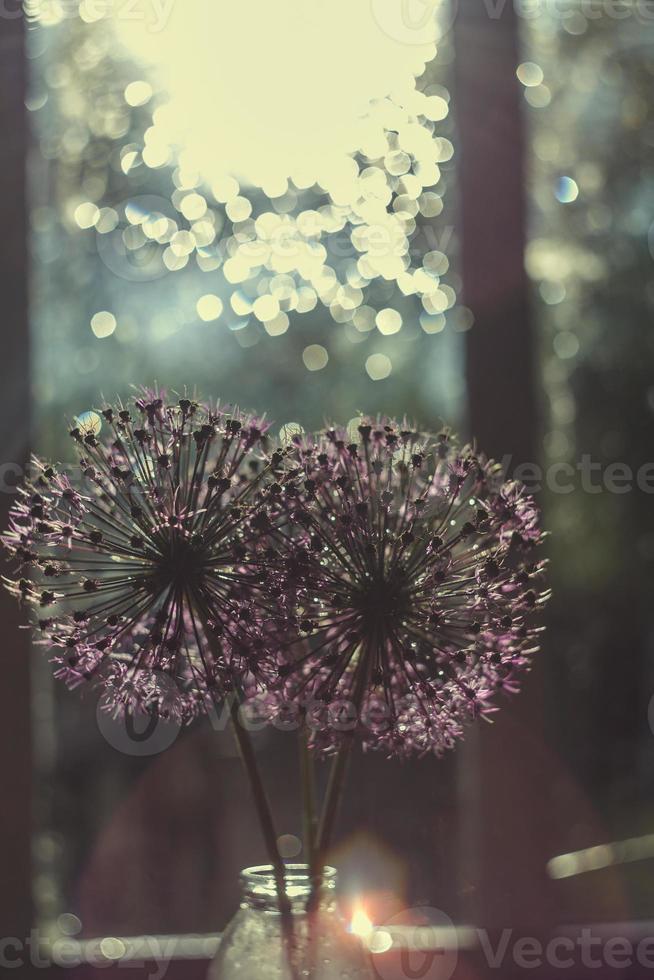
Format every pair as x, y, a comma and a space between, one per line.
15, 765
502, 864
500, 347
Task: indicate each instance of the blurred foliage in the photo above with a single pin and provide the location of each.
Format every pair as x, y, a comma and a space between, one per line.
91, 190
589, 109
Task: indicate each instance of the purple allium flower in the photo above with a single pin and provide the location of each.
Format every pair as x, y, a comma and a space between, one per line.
406, 585
137, 563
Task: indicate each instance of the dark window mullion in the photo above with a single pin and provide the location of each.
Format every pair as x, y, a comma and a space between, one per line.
503, 410
15, 812
503, 414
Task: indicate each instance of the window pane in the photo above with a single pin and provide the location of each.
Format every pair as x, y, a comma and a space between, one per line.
261, 211
588, 84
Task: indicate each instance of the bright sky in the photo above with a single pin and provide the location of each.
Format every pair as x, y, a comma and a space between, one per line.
268, 90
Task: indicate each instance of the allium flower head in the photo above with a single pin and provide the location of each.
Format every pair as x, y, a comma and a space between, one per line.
407, 583
136, 561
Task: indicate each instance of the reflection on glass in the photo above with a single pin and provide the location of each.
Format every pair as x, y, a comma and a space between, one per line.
256, 205
588, 85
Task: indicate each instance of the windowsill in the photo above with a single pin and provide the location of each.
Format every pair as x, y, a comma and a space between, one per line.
479, 945
69, 951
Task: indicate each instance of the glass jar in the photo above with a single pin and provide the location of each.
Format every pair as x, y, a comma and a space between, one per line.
252, 947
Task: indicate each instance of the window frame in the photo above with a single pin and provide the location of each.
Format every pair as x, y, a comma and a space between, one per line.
15, 729
492, 201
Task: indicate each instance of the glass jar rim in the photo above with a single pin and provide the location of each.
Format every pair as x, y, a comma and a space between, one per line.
292, 872
259, 885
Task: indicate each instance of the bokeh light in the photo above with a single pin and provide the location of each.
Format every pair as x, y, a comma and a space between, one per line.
138, 93
209, 307
378, 367
566, 190
530, 74
291, 170
103, 324
315, 357
388, 321
312, 186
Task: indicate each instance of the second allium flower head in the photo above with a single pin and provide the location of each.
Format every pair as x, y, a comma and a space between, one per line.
407, 585
378, 581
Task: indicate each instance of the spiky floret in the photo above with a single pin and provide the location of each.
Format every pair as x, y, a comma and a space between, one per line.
405, 586
137, 560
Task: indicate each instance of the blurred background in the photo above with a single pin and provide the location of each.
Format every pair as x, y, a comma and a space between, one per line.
434, 209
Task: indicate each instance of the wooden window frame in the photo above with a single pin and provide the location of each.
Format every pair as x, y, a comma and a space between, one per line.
504, 416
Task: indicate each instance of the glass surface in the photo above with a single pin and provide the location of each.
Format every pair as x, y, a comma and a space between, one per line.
588, 85
252, 944
150, 261
161, 252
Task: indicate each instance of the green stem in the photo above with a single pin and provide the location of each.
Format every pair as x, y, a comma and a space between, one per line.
333, 798
335, 789
262, 805
310, 820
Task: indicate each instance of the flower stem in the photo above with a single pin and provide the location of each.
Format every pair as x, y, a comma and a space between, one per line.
264, 812
310, 819
333, 798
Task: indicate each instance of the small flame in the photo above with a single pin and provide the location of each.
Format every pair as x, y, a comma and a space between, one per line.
361, 925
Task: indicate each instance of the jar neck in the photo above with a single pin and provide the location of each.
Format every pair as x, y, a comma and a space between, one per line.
259, 890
